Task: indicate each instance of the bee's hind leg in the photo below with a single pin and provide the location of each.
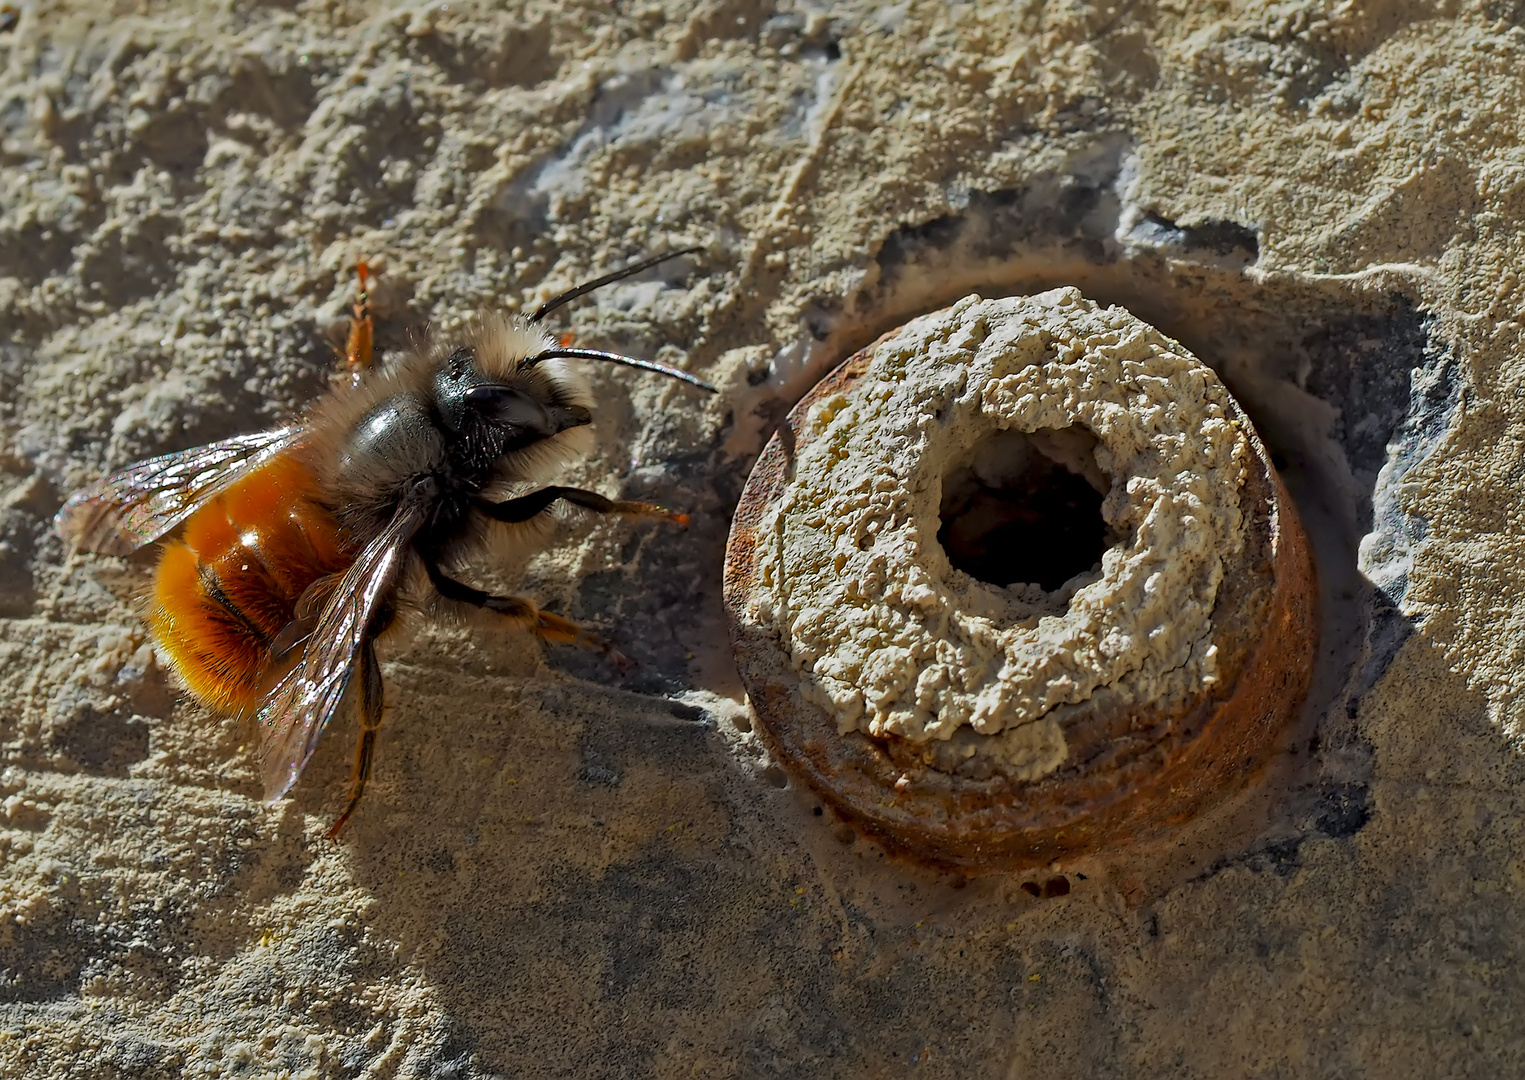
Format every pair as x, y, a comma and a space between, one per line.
370, 720
543, 624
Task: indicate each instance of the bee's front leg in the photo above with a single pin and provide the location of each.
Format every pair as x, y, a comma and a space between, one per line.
536, 502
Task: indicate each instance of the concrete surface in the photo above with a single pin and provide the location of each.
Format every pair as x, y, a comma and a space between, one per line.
562, 870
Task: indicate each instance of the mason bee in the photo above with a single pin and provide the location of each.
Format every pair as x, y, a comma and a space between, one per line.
294, 545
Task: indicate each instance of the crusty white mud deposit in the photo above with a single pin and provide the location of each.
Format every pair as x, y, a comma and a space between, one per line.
895, 639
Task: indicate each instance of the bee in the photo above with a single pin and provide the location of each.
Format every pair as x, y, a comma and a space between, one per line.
294, 546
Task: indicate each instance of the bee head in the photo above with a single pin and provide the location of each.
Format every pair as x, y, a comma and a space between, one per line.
510, 411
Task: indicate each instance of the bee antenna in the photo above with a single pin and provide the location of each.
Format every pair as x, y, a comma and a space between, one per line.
597, 283
625, 361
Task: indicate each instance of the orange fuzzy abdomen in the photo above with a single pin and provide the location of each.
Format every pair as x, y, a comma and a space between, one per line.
228, 587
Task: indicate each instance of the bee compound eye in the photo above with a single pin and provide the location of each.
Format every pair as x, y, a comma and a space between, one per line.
486, 397
1026, 588
513, 408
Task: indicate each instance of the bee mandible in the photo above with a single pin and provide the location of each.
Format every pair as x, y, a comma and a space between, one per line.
298, 542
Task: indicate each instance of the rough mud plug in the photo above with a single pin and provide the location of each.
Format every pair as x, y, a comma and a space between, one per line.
1017, 583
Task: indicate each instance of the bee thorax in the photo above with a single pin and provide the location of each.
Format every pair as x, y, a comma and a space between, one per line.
395, 440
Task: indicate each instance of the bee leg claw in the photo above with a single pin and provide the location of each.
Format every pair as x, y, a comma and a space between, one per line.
644, 509
332, 832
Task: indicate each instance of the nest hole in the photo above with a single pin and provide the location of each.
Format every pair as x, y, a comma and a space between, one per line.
1026, 509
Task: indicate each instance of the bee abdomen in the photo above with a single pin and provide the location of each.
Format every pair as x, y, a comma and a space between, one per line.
227, 588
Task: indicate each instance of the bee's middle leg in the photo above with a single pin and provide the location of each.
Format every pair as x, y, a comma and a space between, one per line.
543, 624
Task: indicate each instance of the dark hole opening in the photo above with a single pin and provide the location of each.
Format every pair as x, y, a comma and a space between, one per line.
1026, 508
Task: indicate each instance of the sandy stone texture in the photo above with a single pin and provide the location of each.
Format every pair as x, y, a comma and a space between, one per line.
566, 870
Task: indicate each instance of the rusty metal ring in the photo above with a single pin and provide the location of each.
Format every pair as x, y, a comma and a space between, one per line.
1125, 768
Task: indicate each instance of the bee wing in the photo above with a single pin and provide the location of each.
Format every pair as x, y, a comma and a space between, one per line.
142, 502
295, 713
